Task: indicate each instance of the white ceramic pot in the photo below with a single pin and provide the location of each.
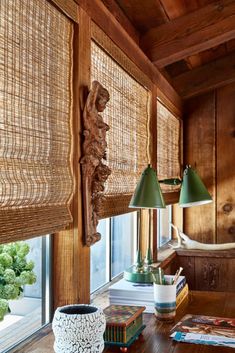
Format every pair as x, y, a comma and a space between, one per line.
78, 329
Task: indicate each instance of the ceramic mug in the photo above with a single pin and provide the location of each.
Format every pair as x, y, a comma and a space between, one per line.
165, 301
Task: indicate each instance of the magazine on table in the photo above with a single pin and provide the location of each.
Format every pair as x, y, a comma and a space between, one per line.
201, 329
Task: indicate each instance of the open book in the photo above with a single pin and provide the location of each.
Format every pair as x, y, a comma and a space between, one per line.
200, 329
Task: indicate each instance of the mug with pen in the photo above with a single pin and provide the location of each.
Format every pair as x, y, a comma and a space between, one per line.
165, 295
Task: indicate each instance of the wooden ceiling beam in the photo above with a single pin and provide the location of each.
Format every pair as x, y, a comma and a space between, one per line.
121, 17
190, 34
207, 77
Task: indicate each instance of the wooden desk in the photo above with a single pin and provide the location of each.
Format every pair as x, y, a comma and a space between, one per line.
155, 337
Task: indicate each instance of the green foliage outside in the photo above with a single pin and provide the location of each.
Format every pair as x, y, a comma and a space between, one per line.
15, 272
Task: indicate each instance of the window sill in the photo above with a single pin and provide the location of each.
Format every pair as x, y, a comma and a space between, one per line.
26, 345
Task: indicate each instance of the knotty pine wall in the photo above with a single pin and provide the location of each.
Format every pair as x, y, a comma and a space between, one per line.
209, 145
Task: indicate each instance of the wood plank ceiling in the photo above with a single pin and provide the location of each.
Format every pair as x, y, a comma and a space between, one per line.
191, 41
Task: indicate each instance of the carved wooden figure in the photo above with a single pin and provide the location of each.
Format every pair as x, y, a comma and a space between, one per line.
94, 171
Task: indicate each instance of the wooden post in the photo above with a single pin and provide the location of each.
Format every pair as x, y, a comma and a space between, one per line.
71, 257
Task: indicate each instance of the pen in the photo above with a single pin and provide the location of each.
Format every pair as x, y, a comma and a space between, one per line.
160, 275
178, 272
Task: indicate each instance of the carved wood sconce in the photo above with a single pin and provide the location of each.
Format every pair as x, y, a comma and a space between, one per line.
94, 171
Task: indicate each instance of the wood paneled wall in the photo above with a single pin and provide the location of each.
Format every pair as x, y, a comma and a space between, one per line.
209, 145
211, 271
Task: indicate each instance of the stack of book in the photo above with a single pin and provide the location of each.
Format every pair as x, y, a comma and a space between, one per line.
142, 294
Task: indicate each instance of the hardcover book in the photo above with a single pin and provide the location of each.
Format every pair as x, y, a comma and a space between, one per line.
140, 290
182, 295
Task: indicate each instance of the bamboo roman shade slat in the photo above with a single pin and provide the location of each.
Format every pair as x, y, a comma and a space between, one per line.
119, 56
35, 110
168, 146
127, 115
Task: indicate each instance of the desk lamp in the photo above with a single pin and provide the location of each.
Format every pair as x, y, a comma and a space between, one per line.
148, 195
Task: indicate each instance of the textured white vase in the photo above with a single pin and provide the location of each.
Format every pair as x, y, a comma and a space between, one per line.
78, 329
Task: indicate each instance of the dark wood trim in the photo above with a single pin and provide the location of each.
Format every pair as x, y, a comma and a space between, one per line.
169, 105
105, 20
199, 30
171, 197
207, 77
167, 262
68, 7
121, 17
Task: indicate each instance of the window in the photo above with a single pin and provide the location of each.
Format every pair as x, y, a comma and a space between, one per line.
36, 181
115, 251
168, 146
164, 229
127, 115
32, 310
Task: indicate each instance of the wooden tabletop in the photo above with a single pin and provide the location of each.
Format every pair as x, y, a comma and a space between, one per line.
155, 338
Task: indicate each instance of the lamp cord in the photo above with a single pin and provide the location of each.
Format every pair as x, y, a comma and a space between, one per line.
149, 140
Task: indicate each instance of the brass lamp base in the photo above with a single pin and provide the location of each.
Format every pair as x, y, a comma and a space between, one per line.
135, 275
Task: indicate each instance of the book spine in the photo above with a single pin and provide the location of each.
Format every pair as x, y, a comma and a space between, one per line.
180, 285
183, 294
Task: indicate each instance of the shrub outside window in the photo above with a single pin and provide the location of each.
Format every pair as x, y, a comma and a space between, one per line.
30, 305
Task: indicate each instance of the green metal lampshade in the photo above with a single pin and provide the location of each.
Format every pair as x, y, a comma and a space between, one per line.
148, 193
193, 191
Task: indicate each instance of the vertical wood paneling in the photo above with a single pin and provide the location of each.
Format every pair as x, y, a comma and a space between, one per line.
199, 152
226, 164
208, 271
71, 257
188, 264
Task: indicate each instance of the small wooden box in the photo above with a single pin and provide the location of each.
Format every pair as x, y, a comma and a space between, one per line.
124, 323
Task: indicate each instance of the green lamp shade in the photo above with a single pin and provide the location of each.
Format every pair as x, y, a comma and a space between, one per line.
193, 191
148, 193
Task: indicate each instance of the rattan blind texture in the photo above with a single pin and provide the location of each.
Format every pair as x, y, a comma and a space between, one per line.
35, 109
127, 115
168, 146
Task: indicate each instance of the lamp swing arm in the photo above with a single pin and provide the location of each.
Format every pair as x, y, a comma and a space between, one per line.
171, 181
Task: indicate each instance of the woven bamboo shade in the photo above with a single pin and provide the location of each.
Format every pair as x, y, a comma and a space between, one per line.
127, 115
168, 146
35, 109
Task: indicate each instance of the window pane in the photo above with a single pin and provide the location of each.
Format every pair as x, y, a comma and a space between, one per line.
100, 257
164, 227
29, 310
123, 242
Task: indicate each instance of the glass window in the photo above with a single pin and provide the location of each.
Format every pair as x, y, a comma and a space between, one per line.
100, 257
115, 251
164, 229
123, 242
27, 292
